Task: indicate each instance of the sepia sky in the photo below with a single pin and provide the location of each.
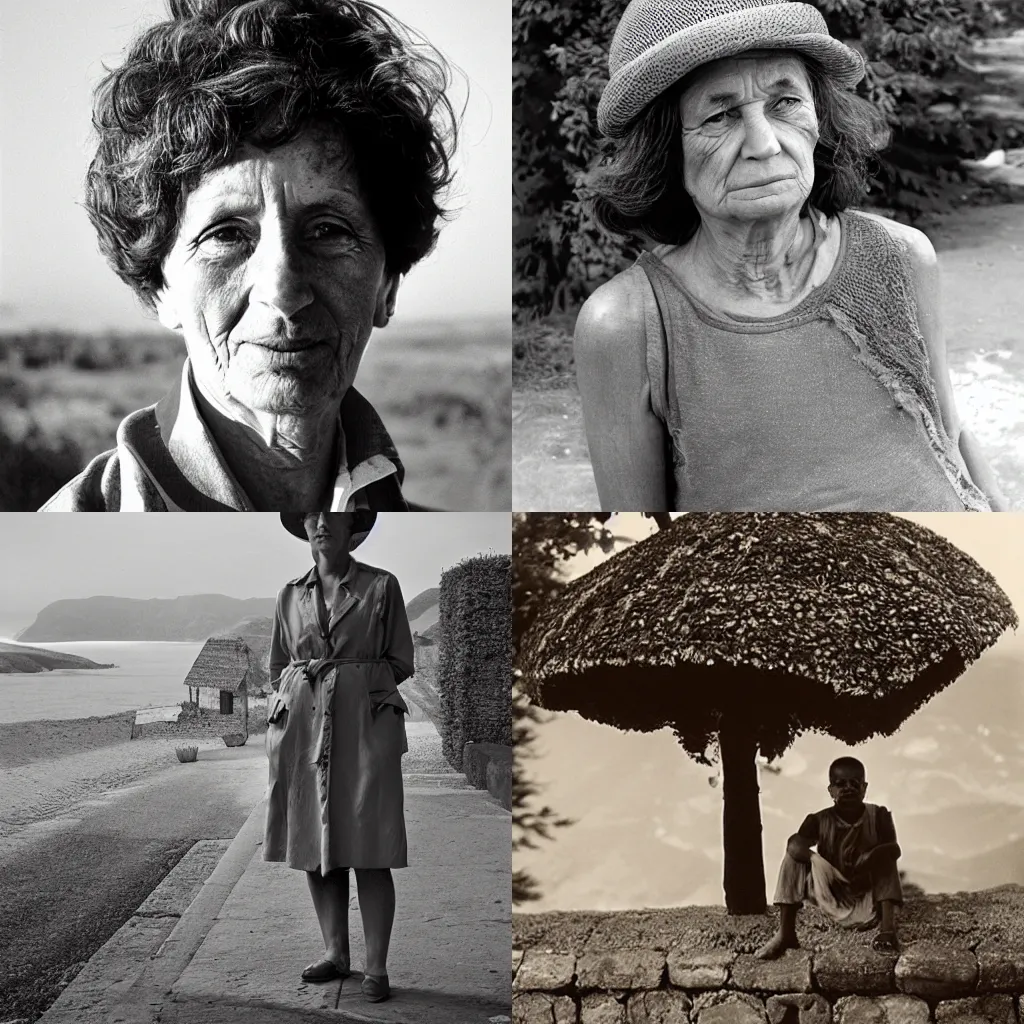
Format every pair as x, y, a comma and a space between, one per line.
654, 814
245, 554
51, 273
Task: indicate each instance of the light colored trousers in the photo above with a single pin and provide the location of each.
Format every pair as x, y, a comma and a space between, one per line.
794, 878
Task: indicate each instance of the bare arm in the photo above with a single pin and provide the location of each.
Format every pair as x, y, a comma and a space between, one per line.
927, 282
625, 437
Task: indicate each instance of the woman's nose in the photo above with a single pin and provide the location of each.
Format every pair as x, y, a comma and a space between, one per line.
759, 139
277, 274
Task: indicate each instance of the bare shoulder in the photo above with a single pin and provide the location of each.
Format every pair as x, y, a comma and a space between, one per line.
916, 243
611, 322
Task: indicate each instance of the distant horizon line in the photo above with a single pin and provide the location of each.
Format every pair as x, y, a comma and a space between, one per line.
423, 322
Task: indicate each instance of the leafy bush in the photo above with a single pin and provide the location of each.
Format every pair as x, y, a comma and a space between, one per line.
474, 675
35, 465
917, 75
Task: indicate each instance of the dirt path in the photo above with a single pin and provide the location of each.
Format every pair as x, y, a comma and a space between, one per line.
981, 253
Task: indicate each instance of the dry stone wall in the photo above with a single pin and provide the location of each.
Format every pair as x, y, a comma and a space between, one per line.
961, 962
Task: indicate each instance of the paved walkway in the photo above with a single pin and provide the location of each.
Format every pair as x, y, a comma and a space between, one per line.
231, 946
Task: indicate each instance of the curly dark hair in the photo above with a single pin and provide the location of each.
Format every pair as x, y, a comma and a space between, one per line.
640, 192
223, 72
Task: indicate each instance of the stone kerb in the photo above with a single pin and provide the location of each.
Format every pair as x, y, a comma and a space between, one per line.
961, 962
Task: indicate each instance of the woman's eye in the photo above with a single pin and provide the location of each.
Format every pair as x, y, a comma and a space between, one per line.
722, 116
787, 103
329, 231
222, 237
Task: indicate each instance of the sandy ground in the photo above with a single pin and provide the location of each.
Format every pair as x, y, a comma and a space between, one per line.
25, 742
981, 254
85, 837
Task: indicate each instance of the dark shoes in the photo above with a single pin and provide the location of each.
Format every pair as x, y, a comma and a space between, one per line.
324, 970
376, 988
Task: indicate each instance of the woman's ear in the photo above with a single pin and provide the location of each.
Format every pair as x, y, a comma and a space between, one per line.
166, 310
387, 296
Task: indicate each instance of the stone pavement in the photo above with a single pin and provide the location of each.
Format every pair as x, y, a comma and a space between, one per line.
231, 946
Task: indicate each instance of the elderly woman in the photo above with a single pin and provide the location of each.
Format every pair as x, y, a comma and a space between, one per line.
773, 350
267, 171
335, 738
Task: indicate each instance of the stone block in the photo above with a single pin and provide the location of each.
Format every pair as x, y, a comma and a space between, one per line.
842, 970
798, 1008
666, 1006
499, 783
728, 1008
790, 973
933, 971
977, 1010
620, 968
602, 1008
698, 970
545, 971
539, 1008
517, 959
477, 756
1000, 970
881, 1010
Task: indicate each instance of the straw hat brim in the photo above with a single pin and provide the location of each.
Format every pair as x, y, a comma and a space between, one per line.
640, 80
364, 522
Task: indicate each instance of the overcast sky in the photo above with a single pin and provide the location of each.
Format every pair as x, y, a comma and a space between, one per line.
53, 55
243, 554
649, 810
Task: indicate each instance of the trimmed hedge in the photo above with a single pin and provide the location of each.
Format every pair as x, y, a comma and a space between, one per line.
474, 676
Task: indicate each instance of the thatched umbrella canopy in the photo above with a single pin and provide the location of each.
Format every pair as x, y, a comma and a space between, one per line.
741, 630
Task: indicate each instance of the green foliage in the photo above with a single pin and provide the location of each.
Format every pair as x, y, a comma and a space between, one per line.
35, 465
474, 675
33, 350
917, 76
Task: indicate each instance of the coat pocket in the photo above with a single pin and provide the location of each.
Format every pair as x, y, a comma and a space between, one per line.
382, 700
277, 709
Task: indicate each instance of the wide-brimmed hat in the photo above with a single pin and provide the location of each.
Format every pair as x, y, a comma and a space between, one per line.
361, 527
658, 42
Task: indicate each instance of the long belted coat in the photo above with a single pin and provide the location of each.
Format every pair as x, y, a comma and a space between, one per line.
336, 724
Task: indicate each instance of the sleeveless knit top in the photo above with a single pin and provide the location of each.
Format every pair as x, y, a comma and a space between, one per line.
828, 407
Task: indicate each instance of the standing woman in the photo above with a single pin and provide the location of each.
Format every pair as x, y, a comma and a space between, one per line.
335, 739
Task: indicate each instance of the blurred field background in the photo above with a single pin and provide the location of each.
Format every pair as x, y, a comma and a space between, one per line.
442, 389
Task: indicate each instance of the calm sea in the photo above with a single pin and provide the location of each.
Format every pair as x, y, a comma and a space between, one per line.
146, 674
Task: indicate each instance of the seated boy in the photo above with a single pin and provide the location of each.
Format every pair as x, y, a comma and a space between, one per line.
852, 877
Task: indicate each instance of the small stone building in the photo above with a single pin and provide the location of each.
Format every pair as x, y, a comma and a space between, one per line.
221, 680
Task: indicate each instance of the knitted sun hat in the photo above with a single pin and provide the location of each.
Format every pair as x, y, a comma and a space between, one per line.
361, 527
659, 41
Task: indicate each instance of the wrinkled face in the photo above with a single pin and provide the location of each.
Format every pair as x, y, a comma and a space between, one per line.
749, 132
277, 276
847, 786
329, 533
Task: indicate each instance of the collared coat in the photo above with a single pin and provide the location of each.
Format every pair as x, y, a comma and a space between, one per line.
336, 724
166, 460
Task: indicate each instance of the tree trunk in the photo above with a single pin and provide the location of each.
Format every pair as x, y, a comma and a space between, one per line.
741, 820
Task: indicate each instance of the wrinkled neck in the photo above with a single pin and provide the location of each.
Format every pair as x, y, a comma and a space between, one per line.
281, 461
768, 261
